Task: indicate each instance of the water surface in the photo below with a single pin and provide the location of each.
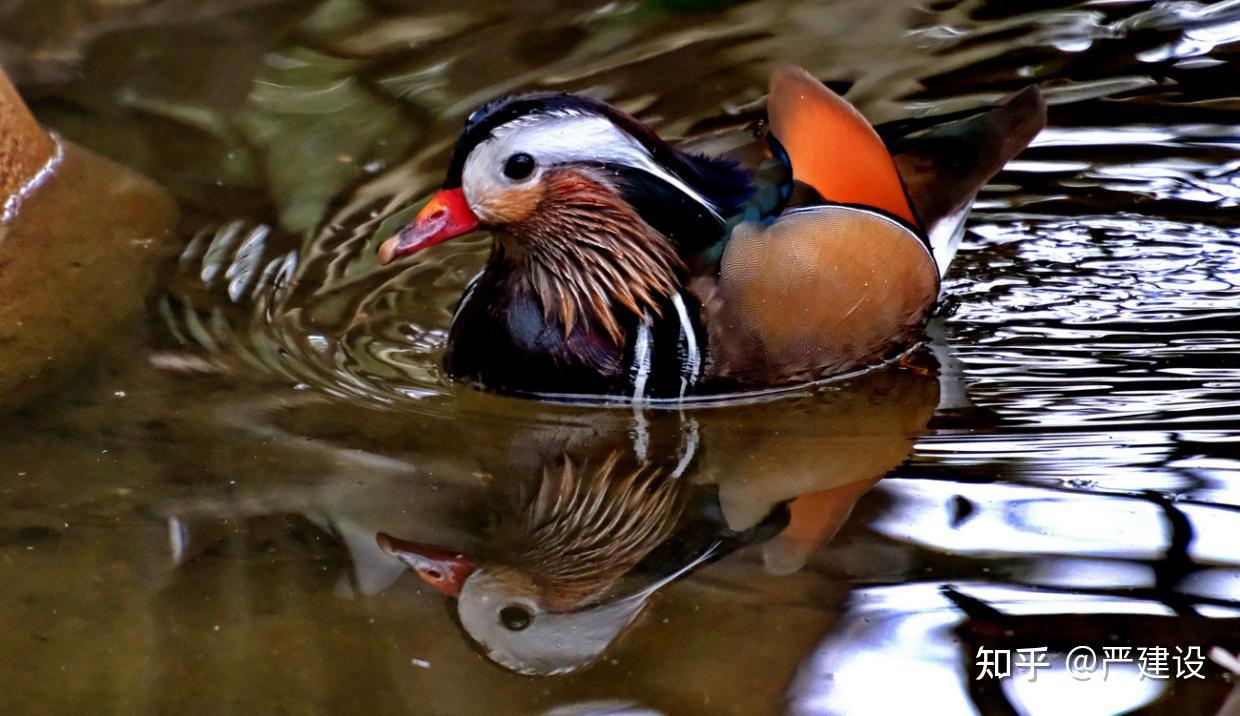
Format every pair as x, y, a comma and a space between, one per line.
191, 525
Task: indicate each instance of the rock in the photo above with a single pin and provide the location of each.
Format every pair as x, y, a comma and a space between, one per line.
24, 149
80, 239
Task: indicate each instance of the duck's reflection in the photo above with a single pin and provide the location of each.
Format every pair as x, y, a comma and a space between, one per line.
571, 559
575, 548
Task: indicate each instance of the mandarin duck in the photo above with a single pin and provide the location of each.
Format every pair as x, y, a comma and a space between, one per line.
567, 565
622, 265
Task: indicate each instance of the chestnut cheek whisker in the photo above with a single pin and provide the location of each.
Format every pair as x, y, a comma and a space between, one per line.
590, 257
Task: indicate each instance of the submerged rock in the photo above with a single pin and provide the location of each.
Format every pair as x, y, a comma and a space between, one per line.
80, 238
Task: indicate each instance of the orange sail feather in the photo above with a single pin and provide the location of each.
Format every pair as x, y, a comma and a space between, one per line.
832, 147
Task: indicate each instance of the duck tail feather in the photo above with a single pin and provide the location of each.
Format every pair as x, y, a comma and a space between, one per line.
944, 168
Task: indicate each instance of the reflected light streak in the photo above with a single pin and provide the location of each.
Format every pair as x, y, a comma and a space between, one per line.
896, 652
1022, 520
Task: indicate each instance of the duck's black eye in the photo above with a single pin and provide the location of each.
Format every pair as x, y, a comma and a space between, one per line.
519, 166
514, 617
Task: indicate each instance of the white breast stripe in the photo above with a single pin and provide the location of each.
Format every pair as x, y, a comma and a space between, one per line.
641, 360
693, 359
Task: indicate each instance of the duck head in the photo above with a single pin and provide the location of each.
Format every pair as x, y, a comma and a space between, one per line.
586, 200
504, 614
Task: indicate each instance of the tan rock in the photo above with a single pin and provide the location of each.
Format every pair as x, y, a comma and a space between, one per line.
78, 251
24, 147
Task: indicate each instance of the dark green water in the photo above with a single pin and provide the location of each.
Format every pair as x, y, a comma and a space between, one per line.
190, 525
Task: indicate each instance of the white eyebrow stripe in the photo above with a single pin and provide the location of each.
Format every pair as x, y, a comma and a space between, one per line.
573, 136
